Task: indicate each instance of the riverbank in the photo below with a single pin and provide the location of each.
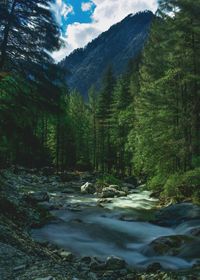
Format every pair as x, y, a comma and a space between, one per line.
29, 200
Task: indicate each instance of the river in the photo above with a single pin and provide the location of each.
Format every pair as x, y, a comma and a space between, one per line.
132, 228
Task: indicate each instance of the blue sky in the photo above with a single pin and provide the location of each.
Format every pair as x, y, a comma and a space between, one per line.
78, 15
83, 20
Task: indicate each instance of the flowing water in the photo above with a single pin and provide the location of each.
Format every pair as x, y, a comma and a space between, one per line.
124, 227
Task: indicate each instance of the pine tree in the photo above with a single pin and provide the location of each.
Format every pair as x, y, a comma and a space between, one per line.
105, 152
28, 31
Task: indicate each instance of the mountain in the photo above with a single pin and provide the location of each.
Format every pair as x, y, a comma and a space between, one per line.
122, 42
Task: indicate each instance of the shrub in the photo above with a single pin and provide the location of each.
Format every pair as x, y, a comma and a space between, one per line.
157, 182
107, 179
186, 185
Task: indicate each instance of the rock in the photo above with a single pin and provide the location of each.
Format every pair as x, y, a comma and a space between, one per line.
20, 267
115, 263
129, 186
175, 214
116, 187
67, 256
86, 259
110, 192
46, 278
96, 266
92, 276
154, 267
167, 245
195, 232
47, 206
88, 188
40, 196
47, 171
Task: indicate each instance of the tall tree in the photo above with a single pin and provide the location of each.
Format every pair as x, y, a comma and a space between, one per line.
104, 114
28, 32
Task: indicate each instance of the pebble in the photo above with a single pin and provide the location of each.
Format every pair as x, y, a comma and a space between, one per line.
20, 267
46, 278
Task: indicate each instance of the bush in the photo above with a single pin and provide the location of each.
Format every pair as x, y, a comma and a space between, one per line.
107, 179
186, 185
157, 182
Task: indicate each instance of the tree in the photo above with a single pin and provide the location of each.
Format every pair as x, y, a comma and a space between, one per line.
104, 113
28, 32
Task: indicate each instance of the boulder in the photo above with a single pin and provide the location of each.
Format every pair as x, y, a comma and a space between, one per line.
67, 256
154, 267
88, 188
40, 196
110, 192
48, 206
167, 245
116, 187
113, 263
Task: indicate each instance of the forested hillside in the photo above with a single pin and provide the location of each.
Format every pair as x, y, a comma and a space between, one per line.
123, 41
144, 123
103, 187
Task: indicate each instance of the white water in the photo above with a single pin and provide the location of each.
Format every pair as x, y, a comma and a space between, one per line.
118, 228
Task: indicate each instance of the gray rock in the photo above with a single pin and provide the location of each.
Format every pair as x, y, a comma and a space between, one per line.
96, 266
20, 267
86, 259
88, 188
67, 256
154, 267
115, 263
47, 206
110, 192
116, 187
46, 278
92, 276
39, 196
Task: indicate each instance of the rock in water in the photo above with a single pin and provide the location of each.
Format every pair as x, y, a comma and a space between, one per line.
115, 263
111, 192
38, 196
154, 267
88, 188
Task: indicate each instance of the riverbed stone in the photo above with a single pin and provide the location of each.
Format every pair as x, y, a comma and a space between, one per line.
67, 256
115, 263
154, 267
110, 192
46, 278
170, 245
88, 188
40, 196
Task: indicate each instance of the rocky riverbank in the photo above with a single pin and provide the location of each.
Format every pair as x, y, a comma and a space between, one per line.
28, 200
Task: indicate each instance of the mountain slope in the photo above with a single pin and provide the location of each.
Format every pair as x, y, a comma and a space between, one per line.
116, 46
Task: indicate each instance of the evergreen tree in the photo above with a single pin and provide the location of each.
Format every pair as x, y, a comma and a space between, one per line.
105, 152
28, 32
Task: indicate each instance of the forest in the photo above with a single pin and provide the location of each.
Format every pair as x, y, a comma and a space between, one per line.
103, 187
145, 123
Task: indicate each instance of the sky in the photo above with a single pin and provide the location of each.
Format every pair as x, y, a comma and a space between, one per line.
83, 20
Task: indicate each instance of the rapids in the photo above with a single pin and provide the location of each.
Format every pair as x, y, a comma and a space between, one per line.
125, 227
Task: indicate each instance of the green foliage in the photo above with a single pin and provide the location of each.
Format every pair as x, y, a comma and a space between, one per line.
186, 185
157, 182
108, 179
28, 30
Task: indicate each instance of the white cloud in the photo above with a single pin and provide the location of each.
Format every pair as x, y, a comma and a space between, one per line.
106, 13
61, 10
86, 6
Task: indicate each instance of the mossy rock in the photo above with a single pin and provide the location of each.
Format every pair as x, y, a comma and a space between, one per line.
170, 245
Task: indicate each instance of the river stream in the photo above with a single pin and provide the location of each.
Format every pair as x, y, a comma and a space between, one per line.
131, 227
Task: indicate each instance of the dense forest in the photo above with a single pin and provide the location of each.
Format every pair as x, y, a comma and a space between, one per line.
145, 123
